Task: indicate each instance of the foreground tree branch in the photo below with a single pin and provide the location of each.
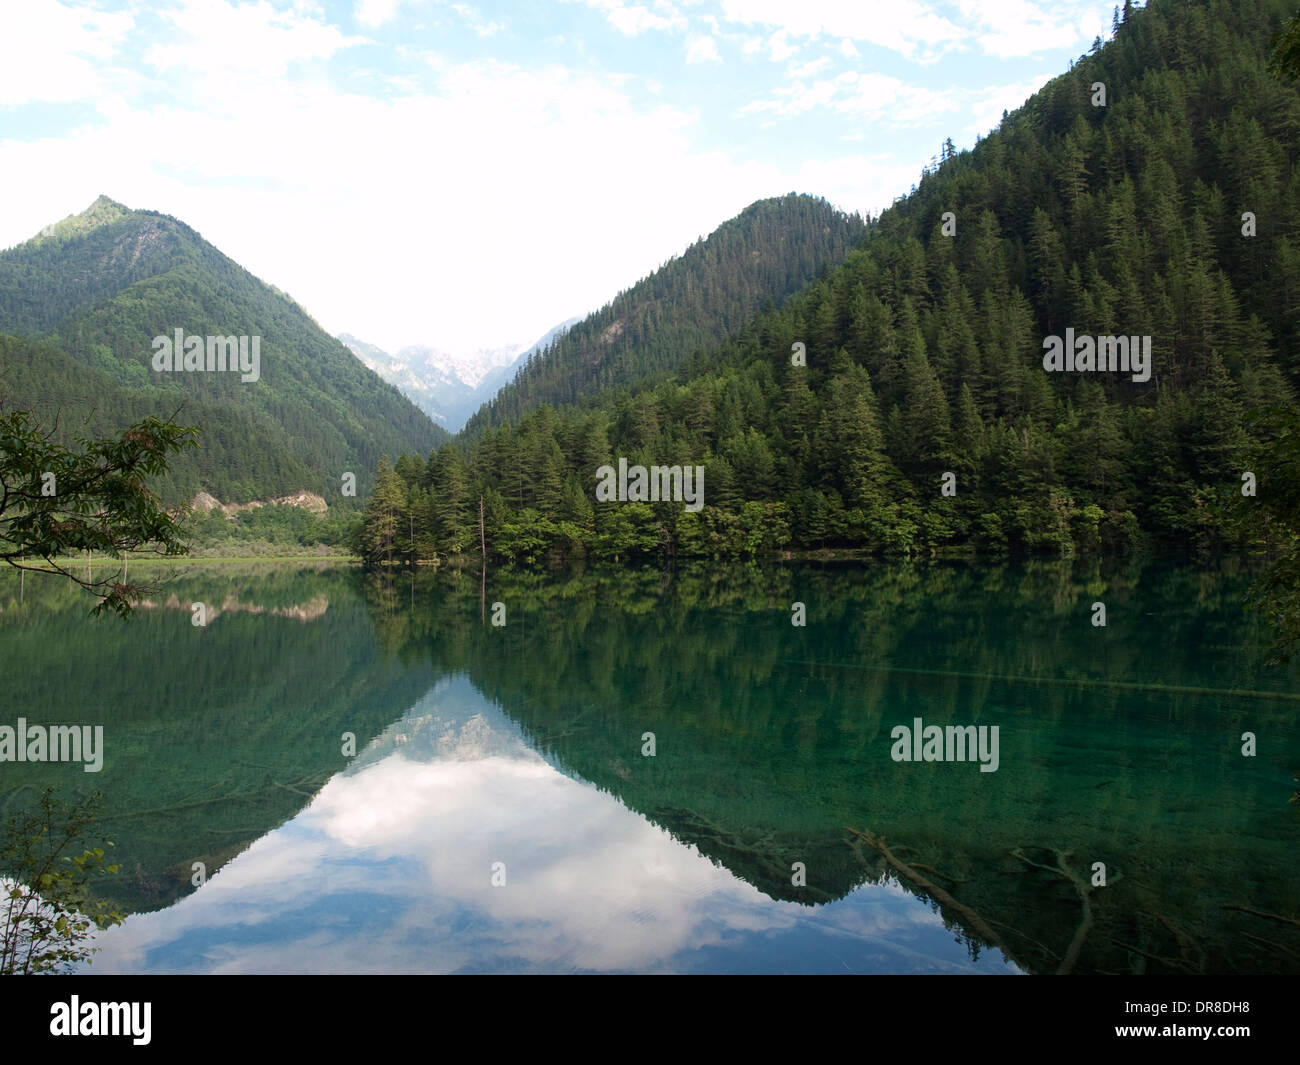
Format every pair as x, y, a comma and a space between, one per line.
46, 910
57, 501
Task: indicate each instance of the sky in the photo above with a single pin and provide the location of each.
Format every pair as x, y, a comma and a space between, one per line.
467, 176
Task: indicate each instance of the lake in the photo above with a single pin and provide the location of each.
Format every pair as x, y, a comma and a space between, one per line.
641, 770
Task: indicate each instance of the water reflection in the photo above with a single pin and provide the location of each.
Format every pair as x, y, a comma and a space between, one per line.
523, 745
389, 870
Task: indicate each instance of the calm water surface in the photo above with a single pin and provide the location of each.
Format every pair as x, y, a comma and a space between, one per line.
499, 814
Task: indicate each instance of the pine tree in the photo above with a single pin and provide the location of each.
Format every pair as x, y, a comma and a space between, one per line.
452, 524
385, 513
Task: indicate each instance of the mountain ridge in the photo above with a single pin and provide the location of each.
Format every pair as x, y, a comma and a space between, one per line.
99, 286
763, 254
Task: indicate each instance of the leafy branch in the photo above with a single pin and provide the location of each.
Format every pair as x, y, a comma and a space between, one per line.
46, 913
56, 501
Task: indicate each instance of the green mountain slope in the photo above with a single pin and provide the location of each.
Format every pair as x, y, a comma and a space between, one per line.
100, 286
925, 350
769, 250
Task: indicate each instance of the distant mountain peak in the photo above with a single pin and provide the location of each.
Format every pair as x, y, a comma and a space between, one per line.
448, 387
468, 367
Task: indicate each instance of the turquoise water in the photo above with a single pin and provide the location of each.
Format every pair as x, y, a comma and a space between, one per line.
501, 809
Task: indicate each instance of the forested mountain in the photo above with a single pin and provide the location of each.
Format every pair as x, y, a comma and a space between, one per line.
88, 296
1166, 211
768, 251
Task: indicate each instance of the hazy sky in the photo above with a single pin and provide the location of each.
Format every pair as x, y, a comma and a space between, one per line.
465, 176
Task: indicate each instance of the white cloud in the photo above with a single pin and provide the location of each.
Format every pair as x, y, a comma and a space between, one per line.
876, 94
375, 13
634, 19
916, 30
476, 21
702, 49
49, 51
1013, 28
887, 101
218, 39
807, 70
779, 46
880, 96
904, 26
